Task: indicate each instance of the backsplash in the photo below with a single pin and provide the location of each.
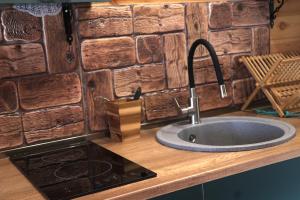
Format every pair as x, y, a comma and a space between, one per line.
49, 90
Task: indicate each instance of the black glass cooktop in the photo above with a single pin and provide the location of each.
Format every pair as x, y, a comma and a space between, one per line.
79, 170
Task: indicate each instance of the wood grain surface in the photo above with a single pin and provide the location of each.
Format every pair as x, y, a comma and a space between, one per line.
231, 41
129, 2
286, 31
8, 97
246, 13
48, 91
127, 80
99, 85
61, 56
10, 131
65, 131
21, 26
220, 15
176, 169
1, 35
161, 104
204, 71
213, 90
242, 89
108, 53
196, 25
150, 77
153, 77
261, 40
240, 70
159, 18
149, 49
53, 123
105, 21
22, 59
175, 59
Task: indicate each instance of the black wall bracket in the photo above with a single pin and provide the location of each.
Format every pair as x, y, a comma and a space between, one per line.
274, 10
68, 15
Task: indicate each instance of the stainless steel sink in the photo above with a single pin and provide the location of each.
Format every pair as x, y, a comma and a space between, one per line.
221, 134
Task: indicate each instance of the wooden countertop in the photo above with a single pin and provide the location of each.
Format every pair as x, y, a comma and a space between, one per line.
176, 169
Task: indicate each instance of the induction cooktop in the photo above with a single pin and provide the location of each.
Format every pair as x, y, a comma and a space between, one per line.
79, 170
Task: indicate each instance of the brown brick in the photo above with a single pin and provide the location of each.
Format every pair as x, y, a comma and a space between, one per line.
175, 59
108, 53
153, 77
19, 60
8, 97
204, 71
99, 85
21, 26
127, 80
60, 56
149, 49
158, 18
197, 25
240, 71
51, 118
105, 21
47, 91
68, 130
231, 41
10, 131
242, 89
209, 96
220, 15
247, 13
162, 105
261, 40
150, 77
55, 120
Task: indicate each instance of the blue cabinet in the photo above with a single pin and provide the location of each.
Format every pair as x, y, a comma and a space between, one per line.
193, 193
280, 181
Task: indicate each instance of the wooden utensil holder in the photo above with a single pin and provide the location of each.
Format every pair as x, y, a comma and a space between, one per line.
124, 118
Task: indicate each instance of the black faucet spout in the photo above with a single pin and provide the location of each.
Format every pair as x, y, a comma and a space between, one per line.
194, 110
215, 61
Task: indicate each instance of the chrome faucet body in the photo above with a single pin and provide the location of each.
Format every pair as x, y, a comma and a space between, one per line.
193, 110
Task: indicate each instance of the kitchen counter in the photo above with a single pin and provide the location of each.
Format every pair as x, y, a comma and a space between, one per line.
176, 169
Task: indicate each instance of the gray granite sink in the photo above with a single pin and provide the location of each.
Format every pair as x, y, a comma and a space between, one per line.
221, 134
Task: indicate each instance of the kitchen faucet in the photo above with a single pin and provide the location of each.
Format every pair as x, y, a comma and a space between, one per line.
193, 110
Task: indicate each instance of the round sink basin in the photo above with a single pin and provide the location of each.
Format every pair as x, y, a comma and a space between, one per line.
220, 134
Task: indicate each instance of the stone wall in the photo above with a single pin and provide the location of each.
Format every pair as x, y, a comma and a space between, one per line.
48, 93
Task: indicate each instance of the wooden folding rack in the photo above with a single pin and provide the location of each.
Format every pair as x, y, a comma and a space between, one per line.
278, 76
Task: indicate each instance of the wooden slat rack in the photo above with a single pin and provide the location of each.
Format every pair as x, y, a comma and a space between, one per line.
278, 76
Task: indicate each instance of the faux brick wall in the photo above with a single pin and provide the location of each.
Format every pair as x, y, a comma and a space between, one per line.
49, 90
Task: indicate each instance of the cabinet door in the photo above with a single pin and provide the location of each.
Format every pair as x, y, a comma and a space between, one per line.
192, 193
275, 182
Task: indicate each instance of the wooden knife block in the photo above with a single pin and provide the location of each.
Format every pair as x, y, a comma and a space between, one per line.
124, 118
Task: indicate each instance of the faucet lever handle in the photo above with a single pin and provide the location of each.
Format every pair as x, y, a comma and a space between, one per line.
223, 91
177, 104
179, 108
